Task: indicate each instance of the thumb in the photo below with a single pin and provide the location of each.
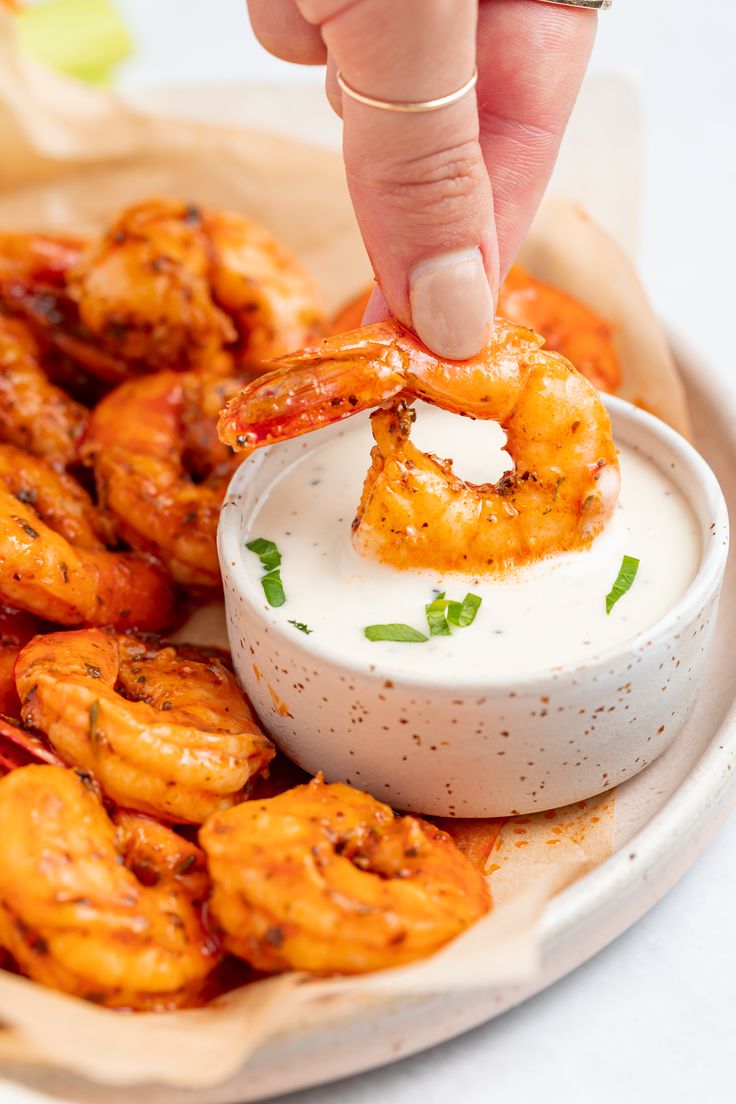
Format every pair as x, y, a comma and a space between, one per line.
419, 185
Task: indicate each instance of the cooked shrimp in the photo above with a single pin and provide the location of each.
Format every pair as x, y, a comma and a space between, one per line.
163, 734
415, 512
350, 315
160, 470
325, 878
16, 629
58, 499
73, 914
567, 326
34, 413
19, 747
171, 284
46, 258
53, 562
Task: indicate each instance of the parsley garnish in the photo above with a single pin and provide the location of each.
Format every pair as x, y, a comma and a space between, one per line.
624, 580
441, 613
270, 558
301, 627
404, 634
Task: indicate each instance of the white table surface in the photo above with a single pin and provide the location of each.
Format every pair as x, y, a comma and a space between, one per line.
653, 1017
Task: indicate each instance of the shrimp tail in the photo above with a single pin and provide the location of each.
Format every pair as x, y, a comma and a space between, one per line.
317, 386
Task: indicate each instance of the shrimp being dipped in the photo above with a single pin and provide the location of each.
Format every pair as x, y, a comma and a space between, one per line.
567, 326
75, 916
325, 878
415, 512
35, 414
161, 471
53, 559
163, 734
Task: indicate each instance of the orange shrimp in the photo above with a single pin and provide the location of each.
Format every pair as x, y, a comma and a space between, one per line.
75, 912
350, 315
35, 414
45, 258
163, 733
53, 560
567, 326
161, 471
19, 747
16, 629
171, 284
415, 512
325, 878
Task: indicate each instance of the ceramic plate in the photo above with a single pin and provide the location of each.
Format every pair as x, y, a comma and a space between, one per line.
664, 817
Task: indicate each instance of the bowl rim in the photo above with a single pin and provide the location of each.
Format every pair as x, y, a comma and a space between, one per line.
701, 589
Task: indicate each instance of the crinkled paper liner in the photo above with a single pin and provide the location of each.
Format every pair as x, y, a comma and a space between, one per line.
71, 156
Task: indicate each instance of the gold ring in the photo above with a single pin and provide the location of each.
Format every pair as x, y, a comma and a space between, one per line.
591, 5
398, 105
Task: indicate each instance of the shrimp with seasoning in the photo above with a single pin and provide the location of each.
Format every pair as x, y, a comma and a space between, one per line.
35, 414
171, 284
162, 733
45, 258
325, 878
76, 915
160, 470
414, 511
53, 559
16, 629
567, 326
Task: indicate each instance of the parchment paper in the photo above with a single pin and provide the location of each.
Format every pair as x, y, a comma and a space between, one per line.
72, 155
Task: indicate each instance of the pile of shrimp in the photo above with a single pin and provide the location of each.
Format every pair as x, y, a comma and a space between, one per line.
152, 840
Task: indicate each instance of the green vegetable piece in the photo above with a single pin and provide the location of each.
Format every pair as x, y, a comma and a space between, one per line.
301, 626
273, 588
403, 634
468, 610
267, 553
624, 580
436, 612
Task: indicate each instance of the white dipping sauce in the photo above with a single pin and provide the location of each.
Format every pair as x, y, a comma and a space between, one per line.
541, 616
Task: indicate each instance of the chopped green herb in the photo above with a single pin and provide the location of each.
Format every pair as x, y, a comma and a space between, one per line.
273, 588
463, 614
404, 634
624, 580
267, 553
270, 558
436, 612
185, 864
441, 613
301, 626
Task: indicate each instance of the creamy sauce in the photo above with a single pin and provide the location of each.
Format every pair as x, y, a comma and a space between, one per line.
541, 616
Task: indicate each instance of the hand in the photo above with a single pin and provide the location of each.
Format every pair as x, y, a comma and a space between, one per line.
443, 198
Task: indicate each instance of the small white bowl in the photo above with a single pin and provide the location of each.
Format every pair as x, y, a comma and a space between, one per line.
516, 746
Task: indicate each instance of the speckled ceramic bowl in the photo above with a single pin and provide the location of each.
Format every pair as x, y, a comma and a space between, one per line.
482, 747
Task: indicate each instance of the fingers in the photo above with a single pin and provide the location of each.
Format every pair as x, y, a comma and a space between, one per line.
284, 32
531, 59
418, 182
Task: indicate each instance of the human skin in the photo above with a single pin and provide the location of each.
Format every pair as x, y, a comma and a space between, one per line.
443, 198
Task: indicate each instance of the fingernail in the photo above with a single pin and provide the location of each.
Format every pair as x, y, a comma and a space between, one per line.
452, 304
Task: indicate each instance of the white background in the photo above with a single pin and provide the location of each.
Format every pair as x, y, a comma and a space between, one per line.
653, 1017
